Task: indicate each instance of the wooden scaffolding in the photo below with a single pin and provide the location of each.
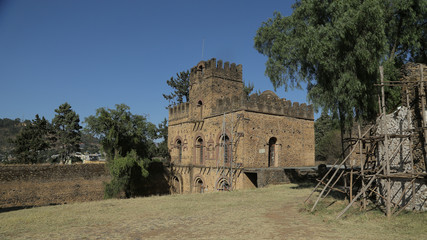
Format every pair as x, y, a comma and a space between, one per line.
372, 177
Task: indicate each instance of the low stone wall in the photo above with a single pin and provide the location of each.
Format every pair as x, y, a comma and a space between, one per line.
43, 184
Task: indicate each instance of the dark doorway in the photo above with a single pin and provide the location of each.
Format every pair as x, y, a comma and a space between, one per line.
253, 177
176, 185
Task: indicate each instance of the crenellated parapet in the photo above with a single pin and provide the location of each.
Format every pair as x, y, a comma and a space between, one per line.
180, 111
267, 102
218, 69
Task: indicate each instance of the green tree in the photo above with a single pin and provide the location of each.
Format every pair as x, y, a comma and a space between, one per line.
327, 138
120, 131
336, 47
126, 172
247, 89
66, 124
181, 88
32, 142
127, 140
162, 148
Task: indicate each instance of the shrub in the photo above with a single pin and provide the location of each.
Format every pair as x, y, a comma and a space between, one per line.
127, 173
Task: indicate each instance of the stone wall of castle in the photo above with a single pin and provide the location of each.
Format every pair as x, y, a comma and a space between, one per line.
263, 130
188, 179
294, 146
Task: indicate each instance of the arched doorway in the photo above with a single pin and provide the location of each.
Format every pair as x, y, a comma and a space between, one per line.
176, 187
199, 186
223, 185
272, 152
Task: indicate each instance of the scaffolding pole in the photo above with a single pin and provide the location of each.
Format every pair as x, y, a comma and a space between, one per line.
374, 169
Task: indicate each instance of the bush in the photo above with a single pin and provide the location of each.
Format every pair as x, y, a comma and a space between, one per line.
127, 173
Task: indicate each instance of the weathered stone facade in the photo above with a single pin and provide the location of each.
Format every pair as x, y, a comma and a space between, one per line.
223, 138
410, 151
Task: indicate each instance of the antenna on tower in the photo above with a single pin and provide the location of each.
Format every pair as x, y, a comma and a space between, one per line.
203, 47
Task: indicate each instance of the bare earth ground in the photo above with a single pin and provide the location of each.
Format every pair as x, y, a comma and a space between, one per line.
275, 212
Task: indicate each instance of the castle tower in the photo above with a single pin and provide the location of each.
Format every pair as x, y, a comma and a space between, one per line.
211, 80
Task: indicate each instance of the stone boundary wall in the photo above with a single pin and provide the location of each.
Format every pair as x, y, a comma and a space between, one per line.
49, 172
45, 184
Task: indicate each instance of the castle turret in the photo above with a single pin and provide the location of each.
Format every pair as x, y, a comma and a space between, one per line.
212, 80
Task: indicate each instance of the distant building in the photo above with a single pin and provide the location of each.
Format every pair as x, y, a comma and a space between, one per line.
223, 139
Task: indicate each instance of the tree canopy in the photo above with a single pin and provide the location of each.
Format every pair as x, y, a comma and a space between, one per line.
120, 131
32, 142
162, 147
127, 140
336, 47
327, 134
181, 88
66, 124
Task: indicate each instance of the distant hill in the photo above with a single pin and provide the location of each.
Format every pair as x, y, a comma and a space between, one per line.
8, 130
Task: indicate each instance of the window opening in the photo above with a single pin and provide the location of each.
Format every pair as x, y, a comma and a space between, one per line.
200, 105
179, 145
200, 148
271, 151
225, 141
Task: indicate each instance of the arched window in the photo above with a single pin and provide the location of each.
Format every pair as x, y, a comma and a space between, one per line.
225, 148
272, 151
199, 150
200, 105
179, 146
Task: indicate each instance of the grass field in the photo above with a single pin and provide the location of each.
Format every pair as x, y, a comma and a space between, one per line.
274, 212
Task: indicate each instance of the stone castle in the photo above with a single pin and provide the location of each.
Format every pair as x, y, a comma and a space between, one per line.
223, 139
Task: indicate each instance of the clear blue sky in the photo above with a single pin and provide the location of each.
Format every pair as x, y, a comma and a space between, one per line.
96, 53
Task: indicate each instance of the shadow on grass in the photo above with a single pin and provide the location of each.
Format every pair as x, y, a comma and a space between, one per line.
10, 209
303, 185
16, 208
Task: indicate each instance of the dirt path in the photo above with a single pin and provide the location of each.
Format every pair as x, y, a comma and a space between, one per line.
291, 223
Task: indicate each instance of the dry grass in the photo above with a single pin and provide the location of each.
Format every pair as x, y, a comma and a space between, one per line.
270, 213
